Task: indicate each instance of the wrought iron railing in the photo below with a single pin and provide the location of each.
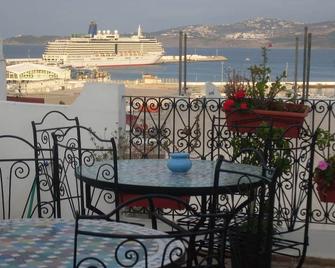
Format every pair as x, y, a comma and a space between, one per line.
158, 125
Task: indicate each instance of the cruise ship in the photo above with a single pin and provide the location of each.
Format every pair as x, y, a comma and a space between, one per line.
103, 49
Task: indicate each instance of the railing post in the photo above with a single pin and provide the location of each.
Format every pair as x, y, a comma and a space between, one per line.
55, 177
185, 63
180, 61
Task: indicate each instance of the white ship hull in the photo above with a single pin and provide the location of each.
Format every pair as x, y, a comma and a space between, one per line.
103, 49
112, 61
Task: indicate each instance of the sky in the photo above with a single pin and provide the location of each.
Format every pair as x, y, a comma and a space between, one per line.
64, 17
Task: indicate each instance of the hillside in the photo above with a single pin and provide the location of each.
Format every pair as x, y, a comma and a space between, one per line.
250, 33
30, 39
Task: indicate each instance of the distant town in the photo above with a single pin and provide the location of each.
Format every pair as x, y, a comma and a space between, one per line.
250, 33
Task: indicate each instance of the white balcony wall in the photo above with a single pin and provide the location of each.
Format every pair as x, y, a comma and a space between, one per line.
99, 106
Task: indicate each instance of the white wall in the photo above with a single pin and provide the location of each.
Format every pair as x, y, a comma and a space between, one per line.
99, 106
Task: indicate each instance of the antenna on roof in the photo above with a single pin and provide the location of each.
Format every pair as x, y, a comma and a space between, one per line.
139, 31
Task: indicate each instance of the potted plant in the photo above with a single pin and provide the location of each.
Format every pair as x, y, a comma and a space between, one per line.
324, 173
248, 243
324, 177
280, 153
256, 98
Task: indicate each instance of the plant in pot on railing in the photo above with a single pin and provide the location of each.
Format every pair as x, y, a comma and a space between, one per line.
256, 97
324, 173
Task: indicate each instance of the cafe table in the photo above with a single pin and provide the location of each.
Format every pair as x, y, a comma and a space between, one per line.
144, 176
37, 243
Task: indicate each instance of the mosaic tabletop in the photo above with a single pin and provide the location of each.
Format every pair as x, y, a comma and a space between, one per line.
145, 174
38, 243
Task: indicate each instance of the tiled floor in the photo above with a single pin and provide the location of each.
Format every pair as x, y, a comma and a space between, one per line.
309, 263
277, 261
286, 262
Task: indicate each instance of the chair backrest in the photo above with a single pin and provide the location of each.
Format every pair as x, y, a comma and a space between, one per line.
295, 186
173, 246
73, 152
249, 199
24, 190
52, 122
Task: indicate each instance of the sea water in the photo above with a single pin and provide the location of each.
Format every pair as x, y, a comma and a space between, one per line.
238, 60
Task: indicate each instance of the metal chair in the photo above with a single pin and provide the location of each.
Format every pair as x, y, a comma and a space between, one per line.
72, 152
252, 211
293, 200
52, 122
294, 187
172, 247
24, 180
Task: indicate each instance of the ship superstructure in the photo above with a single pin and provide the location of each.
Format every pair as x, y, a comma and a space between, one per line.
103, 49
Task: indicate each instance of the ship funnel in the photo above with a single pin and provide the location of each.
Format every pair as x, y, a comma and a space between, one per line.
92, 29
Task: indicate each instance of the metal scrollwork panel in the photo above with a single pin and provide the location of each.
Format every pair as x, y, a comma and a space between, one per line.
185, 124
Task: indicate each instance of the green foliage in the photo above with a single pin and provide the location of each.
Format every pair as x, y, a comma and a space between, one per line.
324, 139
279, 154
259, 87
260, 92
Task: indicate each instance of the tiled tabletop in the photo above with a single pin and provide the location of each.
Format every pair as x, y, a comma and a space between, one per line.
153, 173
38, 243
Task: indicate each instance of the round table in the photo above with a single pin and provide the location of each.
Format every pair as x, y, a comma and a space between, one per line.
38, 243
142, 176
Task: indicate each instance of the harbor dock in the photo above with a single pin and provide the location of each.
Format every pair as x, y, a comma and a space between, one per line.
190, 58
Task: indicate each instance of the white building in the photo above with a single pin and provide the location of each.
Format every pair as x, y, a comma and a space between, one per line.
35, 72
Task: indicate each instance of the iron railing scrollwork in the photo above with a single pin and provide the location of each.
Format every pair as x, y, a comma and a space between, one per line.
161, 124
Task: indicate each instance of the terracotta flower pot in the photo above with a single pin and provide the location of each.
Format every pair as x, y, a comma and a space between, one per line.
326, 195
244, 121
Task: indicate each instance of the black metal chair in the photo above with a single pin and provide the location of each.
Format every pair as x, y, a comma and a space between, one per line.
251, 204
293, 200
52, 122
244, 205
176, 246
24, 180
72, 152
294, 187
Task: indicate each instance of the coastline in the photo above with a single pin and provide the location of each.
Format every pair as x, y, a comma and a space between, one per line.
68, 96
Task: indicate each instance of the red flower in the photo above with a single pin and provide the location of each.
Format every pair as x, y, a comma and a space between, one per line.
244, 106
239, 94
228, 104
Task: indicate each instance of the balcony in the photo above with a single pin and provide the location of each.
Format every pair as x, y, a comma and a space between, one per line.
146, 126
